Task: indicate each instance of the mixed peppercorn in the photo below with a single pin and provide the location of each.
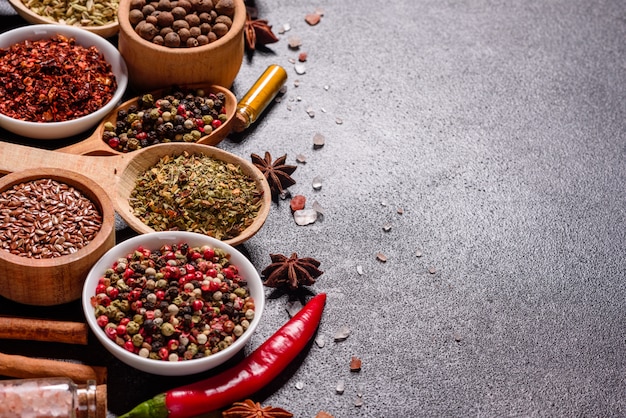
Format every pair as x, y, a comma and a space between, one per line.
176, 303
181, 115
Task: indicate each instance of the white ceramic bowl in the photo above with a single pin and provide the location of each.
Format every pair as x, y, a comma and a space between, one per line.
65, 129
154, 241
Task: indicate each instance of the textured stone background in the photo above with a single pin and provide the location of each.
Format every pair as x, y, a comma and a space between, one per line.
499, 127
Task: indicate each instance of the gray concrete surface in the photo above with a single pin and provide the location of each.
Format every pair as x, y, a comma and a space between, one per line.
499, 128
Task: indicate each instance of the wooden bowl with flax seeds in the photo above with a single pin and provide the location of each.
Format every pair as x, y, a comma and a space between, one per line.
54, 225
96, 16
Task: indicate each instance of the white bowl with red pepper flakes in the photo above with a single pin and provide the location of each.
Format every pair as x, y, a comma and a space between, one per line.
173, 303
57, 81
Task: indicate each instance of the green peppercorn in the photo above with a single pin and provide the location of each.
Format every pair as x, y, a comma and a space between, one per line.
167, 329
132, 327
111, 311
137, 340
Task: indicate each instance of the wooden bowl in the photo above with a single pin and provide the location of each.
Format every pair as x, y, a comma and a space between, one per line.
58, 280
152, 66
106, 31
145, 158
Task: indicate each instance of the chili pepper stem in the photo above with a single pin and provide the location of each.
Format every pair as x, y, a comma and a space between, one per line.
152, 408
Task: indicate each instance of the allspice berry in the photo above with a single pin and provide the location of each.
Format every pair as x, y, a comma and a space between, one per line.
192, 42
225, 20
193, 20
180, 24
205, 17
165, 31
195, 31
184, 34
135, 16
220, 29
148, 31
137, 4
205, 28
202, 39
225, 7
165, 19
164, 5
179, 13
148, 9
171, 40
185, 4
204, 6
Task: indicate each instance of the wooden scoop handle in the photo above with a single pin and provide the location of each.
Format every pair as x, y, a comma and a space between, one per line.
103, 170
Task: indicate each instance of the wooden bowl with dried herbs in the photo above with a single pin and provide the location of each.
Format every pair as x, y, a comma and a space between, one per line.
195, 188
96, 16
54, 225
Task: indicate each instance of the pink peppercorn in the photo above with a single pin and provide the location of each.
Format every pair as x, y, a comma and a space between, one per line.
209, 253
121, 330
102, 321
129, 346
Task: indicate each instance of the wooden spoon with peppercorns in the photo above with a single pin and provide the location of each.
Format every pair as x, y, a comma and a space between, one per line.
101, 143
234, 116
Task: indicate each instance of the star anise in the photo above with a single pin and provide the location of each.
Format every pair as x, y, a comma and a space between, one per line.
292, 272
276, 173
257, 31
251, 409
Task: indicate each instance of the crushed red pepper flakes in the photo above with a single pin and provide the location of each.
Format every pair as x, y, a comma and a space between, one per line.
53, 80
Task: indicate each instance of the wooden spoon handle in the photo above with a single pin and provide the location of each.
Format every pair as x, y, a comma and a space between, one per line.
90, 146
102, 170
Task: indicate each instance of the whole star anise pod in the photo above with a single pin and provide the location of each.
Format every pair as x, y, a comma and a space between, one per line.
257, 31
291, 272
251, 409
276, 173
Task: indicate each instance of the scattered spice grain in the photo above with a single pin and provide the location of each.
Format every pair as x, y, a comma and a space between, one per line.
355, 364
297, 202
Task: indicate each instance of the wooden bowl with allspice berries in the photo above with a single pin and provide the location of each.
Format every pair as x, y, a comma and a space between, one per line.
181, 42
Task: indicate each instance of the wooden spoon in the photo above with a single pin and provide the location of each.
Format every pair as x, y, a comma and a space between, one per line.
117, 174
94, 145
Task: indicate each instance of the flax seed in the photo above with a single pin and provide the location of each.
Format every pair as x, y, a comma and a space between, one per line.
45, 219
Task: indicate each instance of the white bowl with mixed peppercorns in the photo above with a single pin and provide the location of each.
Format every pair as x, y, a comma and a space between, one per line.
57, 81
173, 303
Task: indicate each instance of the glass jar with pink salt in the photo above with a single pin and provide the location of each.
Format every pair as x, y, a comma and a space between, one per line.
51, 397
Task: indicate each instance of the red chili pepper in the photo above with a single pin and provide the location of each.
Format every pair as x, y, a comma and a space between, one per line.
248, 377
